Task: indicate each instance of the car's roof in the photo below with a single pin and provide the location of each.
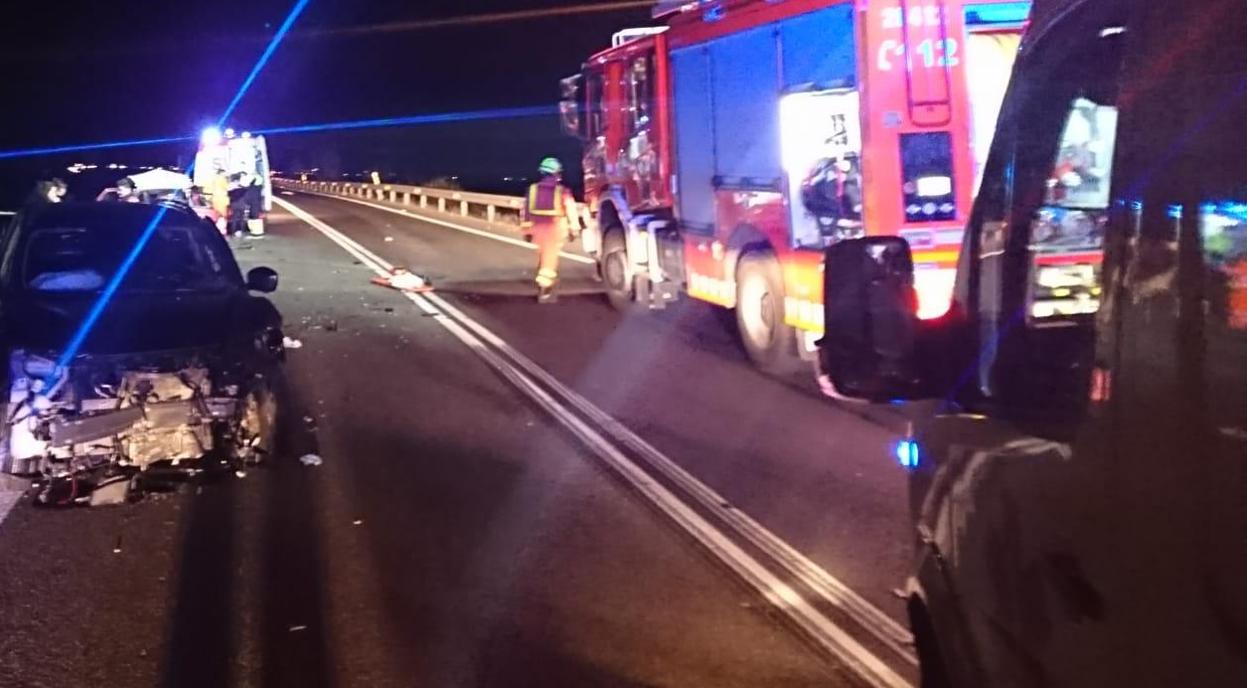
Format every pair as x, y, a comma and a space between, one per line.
70, 211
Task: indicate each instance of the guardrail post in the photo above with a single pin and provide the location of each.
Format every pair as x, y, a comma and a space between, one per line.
393, 196
491, 212
424, 201
406, 198
441, 204
463, 208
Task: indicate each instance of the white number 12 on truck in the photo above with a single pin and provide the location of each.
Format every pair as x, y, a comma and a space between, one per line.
725, 151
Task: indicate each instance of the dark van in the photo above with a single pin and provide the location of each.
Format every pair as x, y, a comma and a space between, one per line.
1079, 464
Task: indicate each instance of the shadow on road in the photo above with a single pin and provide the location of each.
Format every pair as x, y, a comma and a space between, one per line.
207, 624
504, 290
295, 649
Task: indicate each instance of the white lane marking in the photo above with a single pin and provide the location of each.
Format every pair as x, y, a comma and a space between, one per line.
787, 600
452, 225
8, 500
883, 627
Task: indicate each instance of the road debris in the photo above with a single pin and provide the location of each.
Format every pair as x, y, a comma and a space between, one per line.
389, 239
358, 522
291, 343
296, 629
111, 491
404, 280
310, 460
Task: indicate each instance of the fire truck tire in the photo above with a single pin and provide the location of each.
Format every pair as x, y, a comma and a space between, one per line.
768, 340
614, 268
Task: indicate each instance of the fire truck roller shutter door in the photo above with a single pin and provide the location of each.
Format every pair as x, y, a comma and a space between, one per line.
695, 143
745, 72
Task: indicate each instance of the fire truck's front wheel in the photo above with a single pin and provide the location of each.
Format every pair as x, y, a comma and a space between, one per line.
768, 340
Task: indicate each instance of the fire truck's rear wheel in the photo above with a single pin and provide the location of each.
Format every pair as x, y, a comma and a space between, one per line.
615, 272
768, 340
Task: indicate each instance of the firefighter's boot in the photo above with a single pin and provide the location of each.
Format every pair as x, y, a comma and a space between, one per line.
546, 295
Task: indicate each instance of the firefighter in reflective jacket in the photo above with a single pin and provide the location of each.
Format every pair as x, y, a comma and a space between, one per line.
550, 217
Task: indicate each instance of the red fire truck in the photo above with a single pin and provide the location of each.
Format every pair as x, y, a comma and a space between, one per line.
727, 149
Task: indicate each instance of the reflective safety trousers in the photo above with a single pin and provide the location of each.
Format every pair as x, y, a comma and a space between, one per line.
549, 235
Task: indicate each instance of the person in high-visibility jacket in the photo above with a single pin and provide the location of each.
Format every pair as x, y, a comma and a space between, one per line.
550, 216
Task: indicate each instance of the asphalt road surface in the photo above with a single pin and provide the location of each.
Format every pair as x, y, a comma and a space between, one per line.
510, 495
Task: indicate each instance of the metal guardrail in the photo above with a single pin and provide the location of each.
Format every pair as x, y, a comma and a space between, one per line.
493, 208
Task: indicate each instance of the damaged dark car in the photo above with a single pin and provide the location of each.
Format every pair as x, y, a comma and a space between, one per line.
178, 376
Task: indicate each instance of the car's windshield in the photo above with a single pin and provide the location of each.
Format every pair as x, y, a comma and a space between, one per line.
81, 250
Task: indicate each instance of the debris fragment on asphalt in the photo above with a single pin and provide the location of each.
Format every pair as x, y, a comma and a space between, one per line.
404, 280
310, 460
300, 627
358, 522
291, 343
112, 491
389, 238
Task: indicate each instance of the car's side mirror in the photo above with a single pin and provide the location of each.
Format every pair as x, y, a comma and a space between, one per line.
263, 280
870, 317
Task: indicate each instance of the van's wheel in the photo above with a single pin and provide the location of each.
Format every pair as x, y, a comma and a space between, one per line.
614, 268
769, 341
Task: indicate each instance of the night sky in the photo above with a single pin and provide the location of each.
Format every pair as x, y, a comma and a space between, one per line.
95, 70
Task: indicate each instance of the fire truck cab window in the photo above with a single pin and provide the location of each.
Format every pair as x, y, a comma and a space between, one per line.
640, 92
593, 99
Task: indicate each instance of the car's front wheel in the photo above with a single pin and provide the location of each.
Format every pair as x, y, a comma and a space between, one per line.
256, 436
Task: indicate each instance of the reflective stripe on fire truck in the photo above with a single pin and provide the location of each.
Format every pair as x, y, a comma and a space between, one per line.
711, 289
804, 314
800, 313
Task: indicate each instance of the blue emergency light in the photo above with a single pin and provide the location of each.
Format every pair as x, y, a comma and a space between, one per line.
908, 454
999, 13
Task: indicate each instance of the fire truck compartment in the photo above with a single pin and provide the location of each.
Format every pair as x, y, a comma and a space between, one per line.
733, 83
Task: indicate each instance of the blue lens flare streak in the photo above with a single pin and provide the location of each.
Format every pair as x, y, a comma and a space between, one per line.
470, 116
101, 303
264, 58
414, 120
77, 148
97, 309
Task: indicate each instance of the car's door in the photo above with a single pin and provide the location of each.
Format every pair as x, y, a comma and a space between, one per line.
1089, 507
1182, 387
1011, 499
